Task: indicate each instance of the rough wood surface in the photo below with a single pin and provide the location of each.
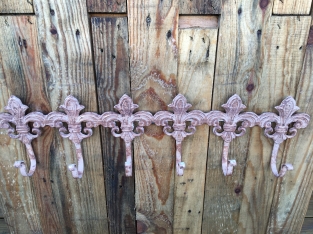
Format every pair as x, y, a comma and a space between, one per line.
25, 206
186, 21
293, 193
237, 66
282, 50
292, 7
309, 213
107, 6
307, 227
4, 228
153, 32
200, 6
16, 6
66, 49
110, 48
197, 49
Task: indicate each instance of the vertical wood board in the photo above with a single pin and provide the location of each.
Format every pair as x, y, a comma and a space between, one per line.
21, 75
110, 48
282, 49
237, 72
64, 37
293, 192
153, 32
197, 49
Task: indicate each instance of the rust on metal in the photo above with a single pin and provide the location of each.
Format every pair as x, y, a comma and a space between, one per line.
128, 125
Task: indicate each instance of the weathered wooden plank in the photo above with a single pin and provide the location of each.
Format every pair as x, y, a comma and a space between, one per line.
66, 49
153, 31
307, 227
309, 213
110, 48
283, 44
107, 6
293, 193
200, 6
4, 228
186, 21
237, 72
21, 75
16, 6
293, 7
197, 49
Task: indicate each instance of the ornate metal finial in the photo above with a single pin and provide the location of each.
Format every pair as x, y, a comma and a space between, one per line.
127, 130
235, 125
179, 125
179, 129
22, 130
287, 124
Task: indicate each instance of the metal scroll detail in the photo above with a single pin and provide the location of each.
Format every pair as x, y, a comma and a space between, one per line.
234, 125
287, 124
22, 130
127, 130
178, 130
129, 125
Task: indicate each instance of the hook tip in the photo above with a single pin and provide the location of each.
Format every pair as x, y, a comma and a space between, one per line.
75, 173
128, 169
180, 168
19, 164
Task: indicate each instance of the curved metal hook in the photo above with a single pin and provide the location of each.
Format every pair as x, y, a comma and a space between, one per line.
227, 165
21, 164
284, 168
77, 170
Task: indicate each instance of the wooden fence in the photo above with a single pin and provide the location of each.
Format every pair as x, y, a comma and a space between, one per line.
208, 50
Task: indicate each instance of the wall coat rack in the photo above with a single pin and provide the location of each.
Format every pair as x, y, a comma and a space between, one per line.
178, 124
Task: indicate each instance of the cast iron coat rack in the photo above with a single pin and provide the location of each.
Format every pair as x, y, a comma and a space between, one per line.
179, 124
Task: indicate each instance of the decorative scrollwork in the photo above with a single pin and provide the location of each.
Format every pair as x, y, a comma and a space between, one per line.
287, 124
178, 130
22, 130
73, 131
234, 125
129, 125
127, 130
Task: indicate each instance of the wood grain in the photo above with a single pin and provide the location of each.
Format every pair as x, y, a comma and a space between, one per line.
110, 48
27, 208
66, 49
307, 227
107, 6
197, 49
237, 72
309, 212
153, 32
283, 44
186, 21
293, 193
293, 7
16, 6
4, 229
200, 6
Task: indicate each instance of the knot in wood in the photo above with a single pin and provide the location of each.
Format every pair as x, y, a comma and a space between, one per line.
230, 127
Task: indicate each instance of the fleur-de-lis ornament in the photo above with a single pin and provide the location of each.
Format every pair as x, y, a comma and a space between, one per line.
73, 131
287, 124
23, 133
127, 130
229, 130
179, 118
